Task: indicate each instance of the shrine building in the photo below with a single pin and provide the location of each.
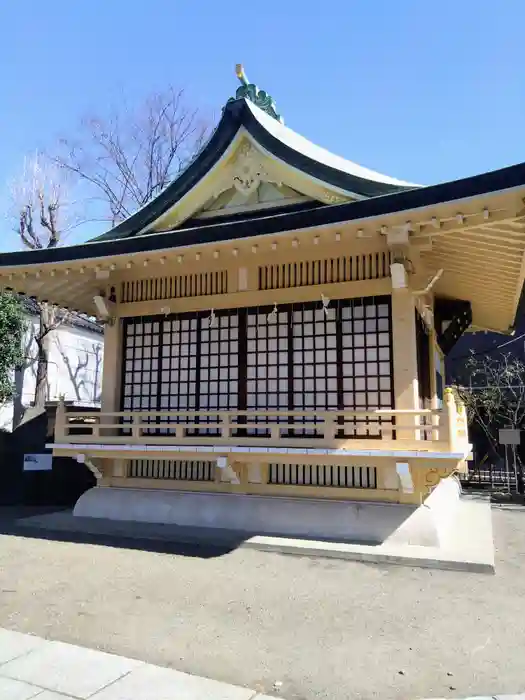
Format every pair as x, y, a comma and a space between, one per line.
276, 323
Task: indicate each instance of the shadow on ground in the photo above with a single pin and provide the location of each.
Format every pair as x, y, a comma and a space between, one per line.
60, 525
157, 538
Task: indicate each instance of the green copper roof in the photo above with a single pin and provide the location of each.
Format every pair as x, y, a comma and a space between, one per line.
250, 91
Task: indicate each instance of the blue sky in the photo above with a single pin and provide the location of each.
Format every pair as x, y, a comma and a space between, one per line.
423, 90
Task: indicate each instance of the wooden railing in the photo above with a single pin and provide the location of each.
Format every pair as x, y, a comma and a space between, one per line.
436, 430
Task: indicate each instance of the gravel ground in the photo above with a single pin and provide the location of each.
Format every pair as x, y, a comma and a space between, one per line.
325, 629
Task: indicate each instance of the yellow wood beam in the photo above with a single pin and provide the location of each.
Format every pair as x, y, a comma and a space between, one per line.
340, 290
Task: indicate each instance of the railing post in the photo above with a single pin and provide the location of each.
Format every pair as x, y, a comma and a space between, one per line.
61, 432
95, 429
225, 426
328, 429
462, 424
136, 429
449, 429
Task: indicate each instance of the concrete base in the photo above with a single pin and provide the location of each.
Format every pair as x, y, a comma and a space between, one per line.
341, 521
460, 553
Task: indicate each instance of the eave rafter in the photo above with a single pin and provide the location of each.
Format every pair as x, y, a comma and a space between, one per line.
73, 284
476, 276
455, 247
480, 250
479, 262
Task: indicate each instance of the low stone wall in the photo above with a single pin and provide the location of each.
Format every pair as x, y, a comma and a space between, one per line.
276, 516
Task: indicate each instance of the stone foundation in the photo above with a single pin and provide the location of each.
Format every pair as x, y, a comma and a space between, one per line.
311, 518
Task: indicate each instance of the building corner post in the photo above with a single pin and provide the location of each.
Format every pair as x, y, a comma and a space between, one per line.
111, 370
404, 352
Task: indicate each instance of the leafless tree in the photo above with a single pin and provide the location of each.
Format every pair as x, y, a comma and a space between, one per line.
493, 391
29, 362
79, 371
127, 159
116, 166
38, 201
97, 387
39, 204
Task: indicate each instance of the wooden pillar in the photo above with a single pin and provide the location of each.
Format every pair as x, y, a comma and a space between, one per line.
406, 388
433, 368
112, 367
433, 383
110, 395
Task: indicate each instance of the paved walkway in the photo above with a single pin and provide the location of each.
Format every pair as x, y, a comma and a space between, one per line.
31, 667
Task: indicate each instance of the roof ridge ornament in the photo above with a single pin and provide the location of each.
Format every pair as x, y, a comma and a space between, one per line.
250, 91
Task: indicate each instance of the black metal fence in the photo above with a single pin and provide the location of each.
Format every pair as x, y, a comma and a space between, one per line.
495, 475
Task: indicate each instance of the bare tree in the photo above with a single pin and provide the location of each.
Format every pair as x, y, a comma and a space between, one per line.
127, 159
39, 203
28, 362
97, 388
493, 391
38, 200
80, 372
116, 165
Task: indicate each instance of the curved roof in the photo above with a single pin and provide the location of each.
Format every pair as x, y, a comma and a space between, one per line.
240, 227
320, 155
483, 255
281, 143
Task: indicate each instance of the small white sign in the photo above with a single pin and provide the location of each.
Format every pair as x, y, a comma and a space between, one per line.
38, 463
509, 436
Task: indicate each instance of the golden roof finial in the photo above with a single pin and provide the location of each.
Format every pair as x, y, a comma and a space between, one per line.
239, 72
249, 91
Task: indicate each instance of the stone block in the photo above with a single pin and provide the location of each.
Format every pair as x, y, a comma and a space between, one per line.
16, 690
14, 644
151, 682
68, 669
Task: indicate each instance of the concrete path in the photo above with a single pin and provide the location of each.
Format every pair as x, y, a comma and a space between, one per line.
31, 667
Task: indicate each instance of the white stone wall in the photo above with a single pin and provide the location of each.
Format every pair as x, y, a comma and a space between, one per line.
75, 369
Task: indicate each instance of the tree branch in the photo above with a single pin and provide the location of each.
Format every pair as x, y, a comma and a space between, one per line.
129, 158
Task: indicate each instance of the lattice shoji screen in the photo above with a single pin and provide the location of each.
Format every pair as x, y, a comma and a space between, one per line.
366, 362
141, 365
267, 363
297, 358
181, 363
178, 381
314, 360
219, 365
